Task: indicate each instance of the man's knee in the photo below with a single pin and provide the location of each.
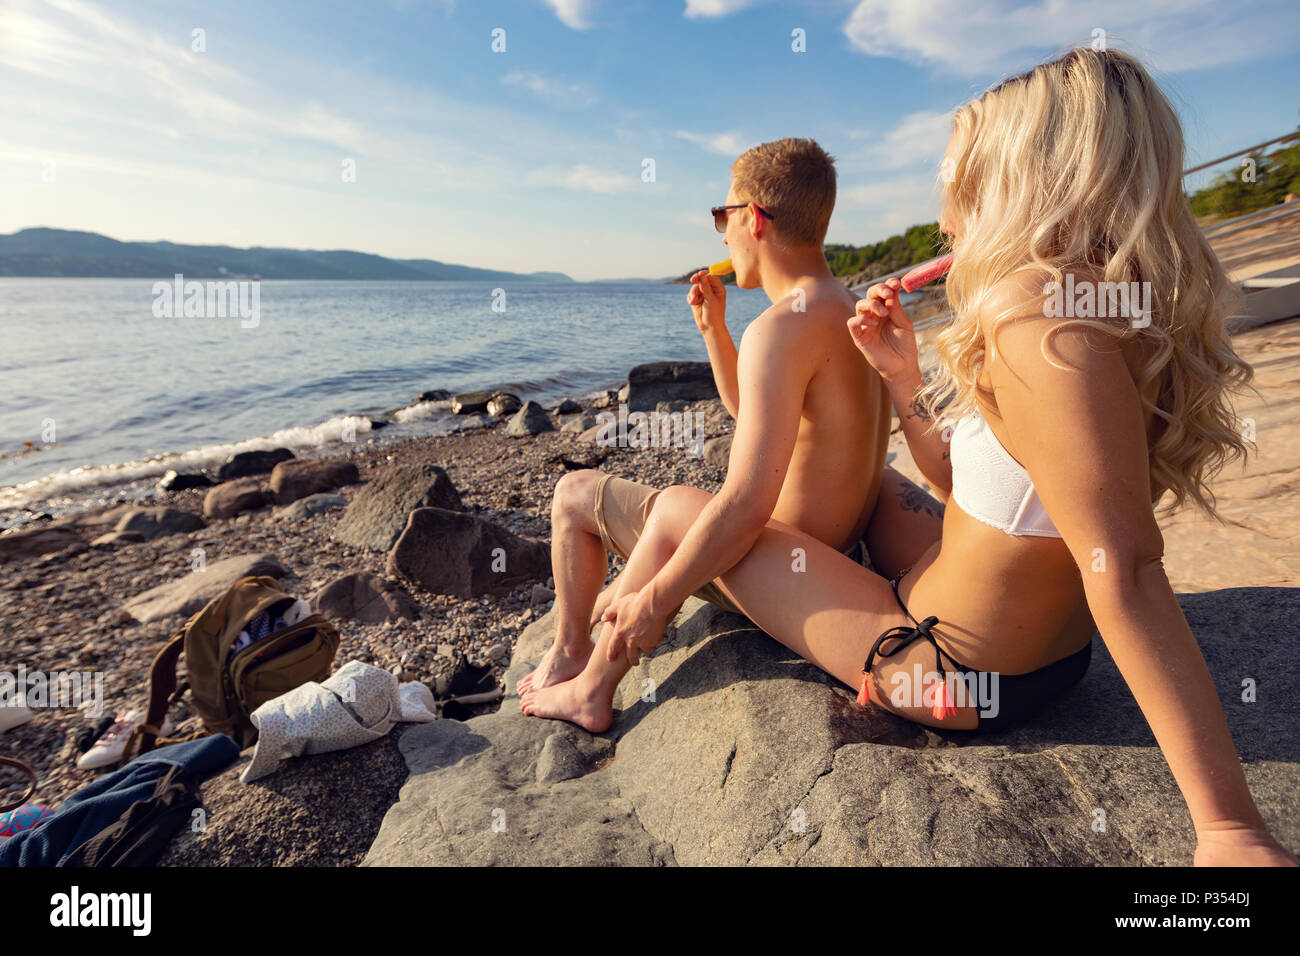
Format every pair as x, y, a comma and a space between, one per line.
677, 507
575, 495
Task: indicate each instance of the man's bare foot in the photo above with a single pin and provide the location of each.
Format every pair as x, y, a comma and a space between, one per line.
573, 701
557, 665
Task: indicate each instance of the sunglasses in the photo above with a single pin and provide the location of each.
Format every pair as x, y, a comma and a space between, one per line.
720, 214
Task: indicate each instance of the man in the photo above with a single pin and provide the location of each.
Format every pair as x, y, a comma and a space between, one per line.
812, 417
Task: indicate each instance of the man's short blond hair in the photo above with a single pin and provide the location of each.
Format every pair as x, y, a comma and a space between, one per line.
794, 180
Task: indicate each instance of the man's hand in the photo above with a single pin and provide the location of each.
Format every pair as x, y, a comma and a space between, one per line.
636, 629
708, 301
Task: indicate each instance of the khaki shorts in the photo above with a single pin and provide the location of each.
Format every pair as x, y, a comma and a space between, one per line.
621, 509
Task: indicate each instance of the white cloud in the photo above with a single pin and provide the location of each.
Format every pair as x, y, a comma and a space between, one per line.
724, 144
715, 8
871, 211
920, 137
575, 14
552, 88
585, 178
980, 37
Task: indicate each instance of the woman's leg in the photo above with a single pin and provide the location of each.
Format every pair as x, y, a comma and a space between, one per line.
814, 600
906, 521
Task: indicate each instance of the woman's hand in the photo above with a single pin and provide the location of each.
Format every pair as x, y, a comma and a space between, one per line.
708, 301
1240, 846
636, 628
883, 332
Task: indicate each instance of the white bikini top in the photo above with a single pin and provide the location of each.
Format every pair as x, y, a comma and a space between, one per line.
991, 486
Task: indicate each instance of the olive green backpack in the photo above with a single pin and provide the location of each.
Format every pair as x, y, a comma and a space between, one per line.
225, 689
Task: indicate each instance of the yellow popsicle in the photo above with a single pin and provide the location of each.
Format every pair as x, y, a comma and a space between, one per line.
721, 268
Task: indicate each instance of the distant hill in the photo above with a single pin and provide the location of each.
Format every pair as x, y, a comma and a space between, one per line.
60, 252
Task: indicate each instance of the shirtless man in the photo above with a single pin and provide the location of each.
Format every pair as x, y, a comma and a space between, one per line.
812, 420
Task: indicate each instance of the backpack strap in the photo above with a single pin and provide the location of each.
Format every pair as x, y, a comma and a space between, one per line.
162, 694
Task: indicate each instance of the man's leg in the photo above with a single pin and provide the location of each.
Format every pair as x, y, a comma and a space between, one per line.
578, 564
592, 514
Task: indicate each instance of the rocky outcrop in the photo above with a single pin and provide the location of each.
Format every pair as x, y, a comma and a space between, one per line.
450, 552
655, 382
186, 595
529, 420
727, 748
252, 463
378, 513
33, 542
296, 479
365, 597
152, 523
467, 403
235, 497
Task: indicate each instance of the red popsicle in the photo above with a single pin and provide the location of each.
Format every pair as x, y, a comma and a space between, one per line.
927, 272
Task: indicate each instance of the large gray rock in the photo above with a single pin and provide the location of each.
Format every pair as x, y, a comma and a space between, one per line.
378, 513
300, 478
365, 597
32, 542
156, 522
186, 595
655, 382
467, 403
235, 497
451, 552
717, 451
529, 420
730, 749
252, 463
503, 403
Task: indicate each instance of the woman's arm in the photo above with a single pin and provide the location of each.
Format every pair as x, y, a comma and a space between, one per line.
1080, 434
884, 334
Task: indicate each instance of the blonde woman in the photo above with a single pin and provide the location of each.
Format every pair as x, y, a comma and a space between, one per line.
1059, 437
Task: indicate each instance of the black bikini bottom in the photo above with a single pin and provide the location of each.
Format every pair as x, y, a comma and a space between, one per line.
1013, 696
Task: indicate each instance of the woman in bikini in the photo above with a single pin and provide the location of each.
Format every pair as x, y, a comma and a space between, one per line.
1059, 436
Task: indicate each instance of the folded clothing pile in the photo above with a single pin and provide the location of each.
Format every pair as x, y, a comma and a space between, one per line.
269, 622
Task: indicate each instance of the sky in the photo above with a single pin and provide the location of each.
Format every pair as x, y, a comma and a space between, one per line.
522, 135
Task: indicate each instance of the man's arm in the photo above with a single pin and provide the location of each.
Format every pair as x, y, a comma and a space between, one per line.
708, 302
773, 378
1080, 434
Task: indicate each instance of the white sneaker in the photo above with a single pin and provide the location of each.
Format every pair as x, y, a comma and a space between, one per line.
110, 747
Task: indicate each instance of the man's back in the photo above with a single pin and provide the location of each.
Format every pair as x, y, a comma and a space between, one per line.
838, 458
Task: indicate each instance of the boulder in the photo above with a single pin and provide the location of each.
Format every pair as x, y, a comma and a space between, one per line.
378, 513
365, 597
717, 451
152, 523
529, 420
434, 395
310, 506
235, 497
252, 463
729, 749
605, 401
188, 594
321, 810
173, 480
296, 479
503, 403
113, 538
568, 407
577, 424
450, 552
467, 403
32, 542
655, 382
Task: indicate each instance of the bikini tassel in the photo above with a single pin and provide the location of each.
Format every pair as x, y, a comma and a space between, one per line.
864, 695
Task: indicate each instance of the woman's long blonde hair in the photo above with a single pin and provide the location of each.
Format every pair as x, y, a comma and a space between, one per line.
1077, 164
